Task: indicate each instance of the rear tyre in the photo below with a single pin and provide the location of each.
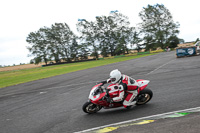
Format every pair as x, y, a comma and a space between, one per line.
144, 96
91, 108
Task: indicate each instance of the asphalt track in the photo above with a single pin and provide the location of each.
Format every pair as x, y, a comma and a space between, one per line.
54, 105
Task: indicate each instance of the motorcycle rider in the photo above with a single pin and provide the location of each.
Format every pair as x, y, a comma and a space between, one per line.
125, 85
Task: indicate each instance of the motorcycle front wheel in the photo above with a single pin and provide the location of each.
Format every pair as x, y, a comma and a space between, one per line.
144, 96
91, 108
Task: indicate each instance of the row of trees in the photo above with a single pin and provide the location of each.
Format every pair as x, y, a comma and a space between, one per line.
55, 43
107, 35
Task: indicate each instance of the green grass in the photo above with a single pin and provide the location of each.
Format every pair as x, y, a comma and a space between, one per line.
9, 78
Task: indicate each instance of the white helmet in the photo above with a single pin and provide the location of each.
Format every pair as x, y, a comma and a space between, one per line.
115, 76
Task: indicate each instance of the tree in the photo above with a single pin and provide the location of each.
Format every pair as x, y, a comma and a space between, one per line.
88, 36
31, 61
104, 30
55, 42
75, 48
135, 39
108, 34
113, 33
83, 51
172, 42
197, 40
39, 47
181, 40
157, 26
60, 37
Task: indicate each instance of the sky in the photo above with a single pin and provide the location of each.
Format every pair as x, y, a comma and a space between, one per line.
20, 17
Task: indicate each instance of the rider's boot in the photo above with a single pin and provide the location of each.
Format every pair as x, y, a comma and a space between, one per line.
130, 99
131, 104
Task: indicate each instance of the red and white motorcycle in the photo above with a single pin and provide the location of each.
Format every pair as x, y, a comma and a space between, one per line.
99, 95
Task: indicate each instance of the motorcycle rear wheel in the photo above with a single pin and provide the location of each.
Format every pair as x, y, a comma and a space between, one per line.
91, 108
144, 96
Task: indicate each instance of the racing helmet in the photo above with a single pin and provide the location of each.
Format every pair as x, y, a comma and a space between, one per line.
115, 76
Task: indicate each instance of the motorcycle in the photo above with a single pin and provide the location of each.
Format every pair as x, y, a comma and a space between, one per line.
99, 97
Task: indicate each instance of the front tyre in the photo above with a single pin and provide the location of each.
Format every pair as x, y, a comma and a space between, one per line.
91, 108
144, 96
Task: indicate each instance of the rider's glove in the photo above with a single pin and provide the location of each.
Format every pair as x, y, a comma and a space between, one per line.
103, 82
108, 80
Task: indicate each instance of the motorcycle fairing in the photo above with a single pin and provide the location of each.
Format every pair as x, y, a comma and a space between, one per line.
142, 84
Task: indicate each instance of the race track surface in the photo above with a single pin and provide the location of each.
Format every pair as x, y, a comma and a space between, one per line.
54, 105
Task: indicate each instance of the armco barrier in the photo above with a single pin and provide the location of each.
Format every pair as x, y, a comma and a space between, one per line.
68, 62
186, 51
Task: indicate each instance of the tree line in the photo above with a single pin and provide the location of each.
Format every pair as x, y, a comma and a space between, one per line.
107, 35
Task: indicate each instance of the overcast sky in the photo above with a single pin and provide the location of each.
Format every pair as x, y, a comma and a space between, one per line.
20, 17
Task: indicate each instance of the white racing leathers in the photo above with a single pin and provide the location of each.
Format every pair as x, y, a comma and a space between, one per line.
128, 86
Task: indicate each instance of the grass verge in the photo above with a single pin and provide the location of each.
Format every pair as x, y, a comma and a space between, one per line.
9, 78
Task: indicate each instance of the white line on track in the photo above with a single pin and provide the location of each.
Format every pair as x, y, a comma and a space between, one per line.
159, 67
147, 117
